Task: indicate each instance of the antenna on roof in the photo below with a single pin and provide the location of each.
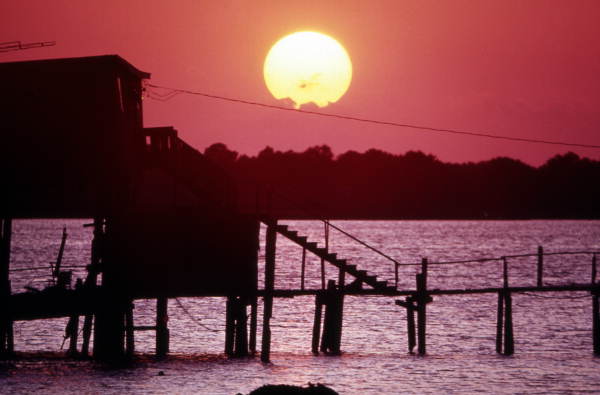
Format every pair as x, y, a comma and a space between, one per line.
18, 46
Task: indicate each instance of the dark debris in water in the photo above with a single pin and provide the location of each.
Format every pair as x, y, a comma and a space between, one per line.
283, 389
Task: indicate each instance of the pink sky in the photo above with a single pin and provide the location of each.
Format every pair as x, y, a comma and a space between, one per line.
519, 68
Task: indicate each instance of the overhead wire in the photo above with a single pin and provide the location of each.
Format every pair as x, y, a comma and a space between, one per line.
172, 92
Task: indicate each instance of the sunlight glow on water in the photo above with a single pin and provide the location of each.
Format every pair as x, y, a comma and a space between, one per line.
552, 336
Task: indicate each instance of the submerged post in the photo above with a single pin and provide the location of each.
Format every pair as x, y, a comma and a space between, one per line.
422, 300
409, 305
162, 329
303, 268
540, 266
595, 309
499, 322
316, 333
229, 325
91, 280
129, 335
332, 331
6, 333
271, 240
241, 328
253, 325
509, 341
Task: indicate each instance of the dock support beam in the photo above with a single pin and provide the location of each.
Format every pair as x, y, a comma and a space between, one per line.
271, 240
109, 328
241, 328
236, 327
410, 307
540, 266
422, 298
6, 325
332, 325
316, 333
595, 309
505, 342
229, 325
92, 279
129, 332
253, 325
162, 328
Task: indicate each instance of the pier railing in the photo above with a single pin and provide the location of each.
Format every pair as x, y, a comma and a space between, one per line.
511, 261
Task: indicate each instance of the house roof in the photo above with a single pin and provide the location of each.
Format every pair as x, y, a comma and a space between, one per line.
91, 63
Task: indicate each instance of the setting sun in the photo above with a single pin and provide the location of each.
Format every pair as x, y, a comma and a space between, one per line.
308, 67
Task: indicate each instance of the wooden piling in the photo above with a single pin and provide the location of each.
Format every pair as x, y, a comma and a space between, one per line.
422, 299
162, 328
270, 248
6, 332
229, 325
303, 269
241, 328
330, 340
499, 322
509, 342
91, 280
129, 331
316, 333
253, 325
595, 310
339, 318
540, 266
409, 305
72, 330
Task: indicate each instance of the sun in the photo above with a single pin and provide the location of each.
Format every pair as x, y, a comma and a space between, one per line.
308, 67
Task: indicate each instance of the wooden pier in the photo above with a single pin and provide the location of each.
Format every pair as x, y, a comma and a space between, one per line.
168, 223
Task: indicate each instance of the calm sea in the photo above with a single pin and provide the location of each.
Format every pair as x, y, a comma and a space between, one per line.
553, 343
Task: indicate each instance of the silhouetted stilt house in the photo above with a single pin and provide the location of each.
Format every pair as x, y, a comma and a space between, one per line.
166, 225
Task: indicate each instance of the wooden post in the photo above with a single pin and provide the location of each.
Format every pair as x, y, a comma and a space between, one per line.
331, 326
241, 328
422, 307
410, 325
540, 266
229, 325
410, 307
270, 249
253, 325
339, 319
109, 328
509, 342
595, 309
6, 333
499, 322
129, 332
317, 323
303, 270
326, 224
162, 328
91, 280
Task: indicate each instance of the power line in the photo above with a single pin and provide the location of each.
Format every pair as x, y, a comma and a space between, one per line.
174, 92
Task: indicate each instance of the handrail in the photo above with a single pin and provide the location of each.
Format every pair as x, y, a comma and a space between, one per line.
327, 222
490, 259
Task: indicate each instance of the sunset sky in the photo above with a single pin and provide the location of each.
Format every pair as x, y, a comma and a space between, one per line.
528, 69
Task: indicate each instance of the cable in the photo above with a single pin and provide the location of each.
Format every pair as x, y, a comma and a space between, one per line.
554, 297
196, 320
366, 120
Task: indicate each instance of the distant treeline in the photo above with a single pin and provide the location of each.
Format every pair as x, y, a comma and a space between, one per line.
377, 184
